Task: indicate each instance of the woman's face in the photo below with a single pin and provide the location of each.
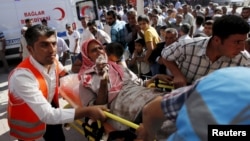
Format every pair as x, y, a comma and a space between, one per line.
94, 50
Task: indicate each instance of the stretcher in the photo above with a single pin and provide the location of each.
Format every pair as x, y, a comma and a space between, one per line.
69, 90
93, 132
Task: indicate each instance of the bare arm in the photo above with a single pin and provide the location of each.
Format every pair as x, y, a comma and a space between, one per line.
77, 40
93, 112
162, 77
76, 66
102, 96
179, 79
153, 118
150, 48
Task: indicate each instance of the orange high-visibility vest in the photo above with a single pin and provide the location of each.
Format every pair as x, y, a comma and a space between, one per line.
23, 122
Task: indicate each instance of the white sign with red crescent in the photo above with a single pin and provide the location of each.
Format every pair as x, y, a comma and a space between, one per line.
61, 11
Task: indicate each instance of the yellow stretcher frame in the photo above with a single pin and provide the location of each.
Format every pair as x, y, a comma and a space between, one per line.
77, 124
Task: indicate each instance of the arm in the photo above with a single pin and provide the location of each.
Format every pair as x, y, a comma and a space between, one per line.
169, 56
162, 77
150, 48
161, 109
133, 59
179, 79
93, 112
76, 45
77, 41
102, 96
152, 120
76, 66
30, 93
62, 70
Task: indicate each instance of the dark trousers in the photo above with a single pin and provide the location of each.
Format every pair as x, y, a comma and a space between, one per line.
54, 133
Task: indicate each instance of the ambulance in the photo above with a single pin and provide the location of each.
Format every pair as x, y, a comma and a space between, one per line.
57, 13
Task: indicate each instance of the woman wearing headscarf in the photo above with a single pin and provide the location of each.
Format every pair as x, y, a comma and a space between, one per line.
112, 84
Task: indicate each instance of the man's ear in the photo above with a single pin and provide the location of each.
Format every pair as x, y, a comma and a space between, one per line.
30, 49
217, 39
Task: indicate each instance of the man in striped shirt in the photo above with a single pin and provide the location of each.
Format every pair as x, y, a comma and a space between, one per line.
191, 59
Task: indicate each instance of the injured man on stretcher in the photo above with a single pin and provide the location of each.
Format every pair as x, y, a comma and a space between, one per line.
103, 81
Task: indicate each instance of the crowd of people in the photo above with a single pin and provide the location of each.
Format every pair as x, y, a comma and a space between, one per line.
182, 46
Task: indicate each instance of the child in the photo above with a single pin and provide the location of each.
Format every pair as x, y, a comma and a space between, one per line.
138, 59
114, 52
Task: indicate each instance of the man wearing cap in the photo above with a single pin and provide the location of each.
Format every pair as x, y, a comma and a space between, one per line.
74, 39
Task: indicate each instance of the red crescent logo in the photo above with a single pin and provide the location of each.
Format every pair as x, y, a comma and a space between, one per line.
83, 9
62, 12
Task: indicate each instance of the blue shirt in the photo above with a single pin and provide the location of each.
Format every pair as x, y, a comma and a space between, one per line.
117, 32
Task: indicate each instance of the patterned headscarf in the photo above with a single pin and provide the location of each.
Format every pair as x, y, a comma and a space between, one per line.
87, 63
88, 67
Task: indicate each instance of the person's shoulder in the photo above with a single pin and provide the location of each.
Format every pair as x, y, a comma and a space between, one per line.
76, 31
101, 31
60, 39
19, 73
196, 40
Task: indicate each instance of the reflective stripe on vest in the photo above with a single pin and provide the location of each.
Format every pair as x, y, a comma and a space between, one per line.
27, 126
34, 135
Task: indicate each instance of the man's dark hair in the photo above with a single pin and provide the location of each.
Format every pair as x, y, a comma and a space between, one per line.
91, 23
209, 22
200, 20
112, 13
143, 18
246, 8
27, 20
115, 48
228, 25
36, 31
185, 28
44, 21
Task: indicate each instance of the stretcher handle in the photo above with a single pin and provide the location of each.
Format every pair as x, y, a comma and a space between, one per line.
152, 85
121, 120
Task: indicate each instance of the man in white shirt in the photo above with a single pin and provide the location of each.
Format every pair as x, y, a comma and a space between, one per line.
74, 39
33, 91
99, 34
62, 50
24, 53
188, 18
86, 34
184, 32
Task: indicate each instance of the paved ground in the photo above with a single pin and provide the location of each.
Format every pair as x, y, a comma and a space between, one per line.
71, 135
